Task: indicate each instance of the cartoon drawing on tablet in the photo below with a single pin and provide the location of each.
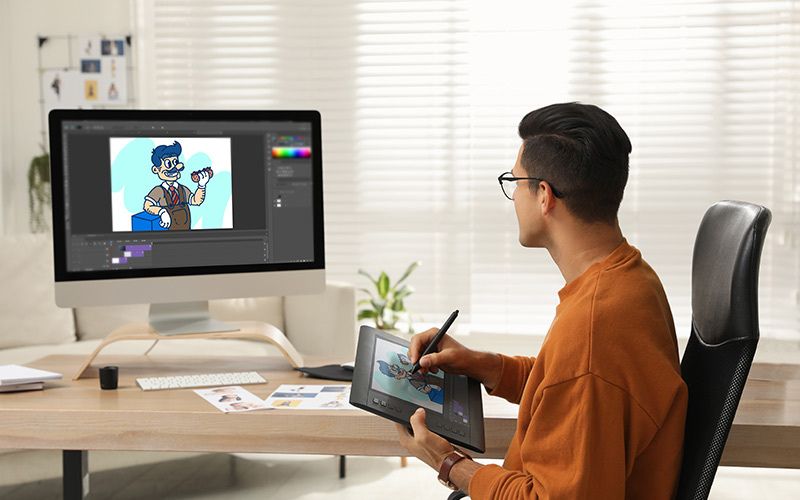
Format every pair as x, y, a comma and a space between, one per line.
392, 376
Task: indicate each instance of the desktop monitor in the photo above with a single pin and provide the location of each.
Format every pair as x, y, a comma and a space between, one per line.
174, 208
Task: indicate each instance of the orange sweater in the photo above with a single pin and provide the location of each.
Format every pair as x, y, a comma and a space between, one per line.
602, 407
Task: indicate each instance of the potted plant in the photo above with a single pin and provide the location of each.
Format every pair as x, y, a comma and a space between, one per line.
386, 303
39, 192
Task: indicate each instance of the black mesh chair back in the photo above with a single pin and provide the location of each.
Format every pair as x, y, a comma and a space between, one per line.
727, 254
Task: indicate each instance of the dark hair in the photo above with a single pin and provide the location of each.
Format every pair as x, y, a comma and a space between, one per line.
161, 152
582, 152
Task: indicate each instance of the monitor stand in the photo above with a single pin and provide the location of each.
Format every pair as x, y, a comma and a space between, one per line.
182, 318
191, 321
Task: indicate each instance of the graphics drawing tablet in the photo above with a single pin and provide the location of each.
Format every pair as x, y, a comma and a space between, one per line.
383, 385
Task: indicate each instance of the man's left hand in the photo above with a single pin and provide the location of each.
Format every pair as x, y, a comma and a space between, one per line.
424, 444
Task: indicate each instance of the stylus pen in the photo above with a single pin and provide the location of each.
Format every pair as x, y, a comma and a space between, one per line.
436, 338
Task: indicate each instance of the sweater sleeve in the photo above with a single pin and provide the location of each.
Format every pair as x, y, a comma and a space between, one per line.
574, 448
513, 375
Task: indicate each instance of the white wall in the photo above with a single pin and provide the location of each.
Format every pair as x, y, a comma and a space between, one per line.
21, 21
5, 122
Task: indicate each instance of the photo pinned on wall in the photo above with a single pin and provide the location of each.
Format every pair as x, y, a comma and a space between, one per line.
88, 47
90, 90
62, 89
112, 47
170, 183
90, 65
113, 93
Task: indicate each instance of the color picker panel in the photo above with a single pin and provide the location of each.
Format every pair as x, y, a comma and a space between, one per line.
291, 152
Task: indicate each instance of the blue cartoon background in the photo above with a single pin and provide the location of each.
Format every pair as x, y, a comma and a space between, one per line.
132, 179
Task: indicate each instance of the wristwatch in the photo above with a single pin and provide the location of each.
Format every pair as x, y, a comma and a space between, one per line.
449, 461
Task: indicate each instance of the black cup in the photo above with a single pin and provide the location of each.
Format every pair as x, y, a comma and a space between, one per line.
109, 376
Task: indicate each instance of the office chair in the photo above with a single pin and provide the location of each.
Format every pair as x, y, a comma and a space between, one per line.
724, 335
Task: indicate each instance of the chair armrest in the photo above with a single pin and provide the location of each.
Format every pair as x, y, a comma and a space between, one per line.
323, 324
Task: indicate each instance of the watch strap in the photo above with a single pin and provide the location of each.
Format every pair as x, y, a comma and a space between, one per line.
447, 464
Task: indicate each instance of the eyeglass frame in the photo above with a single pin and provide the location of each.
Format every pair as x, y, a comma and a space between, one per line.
502, 177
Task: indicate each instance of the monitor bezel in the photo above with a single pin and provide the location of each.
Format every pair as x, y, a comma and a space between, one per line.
58, 116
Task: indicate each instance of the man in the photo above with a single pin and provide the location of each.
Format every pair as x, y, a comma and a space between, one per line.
170, 200
602, 406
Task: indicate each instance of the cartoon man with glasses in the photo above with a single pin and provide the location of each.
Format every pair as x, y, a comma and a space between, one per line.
170, 200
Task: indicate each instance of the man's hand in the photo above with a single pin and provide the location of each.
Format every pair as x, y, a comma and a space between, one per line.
453, 357
424, 444
202, 178
165, 221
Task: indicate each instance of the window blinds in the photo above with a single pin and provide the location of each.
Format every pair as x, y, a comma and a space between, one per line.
420, 102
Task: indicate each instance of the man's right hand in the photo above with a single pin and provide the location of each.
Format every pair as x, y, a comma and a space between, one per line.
453, 357
165, 219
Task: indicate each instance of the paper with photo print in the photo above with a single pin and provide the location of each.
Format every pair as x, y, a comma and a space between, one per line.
311, 397
232, 399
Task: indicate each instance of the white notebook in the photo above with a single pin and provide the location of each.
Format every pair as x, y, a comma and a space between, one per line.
36, 386
16, 374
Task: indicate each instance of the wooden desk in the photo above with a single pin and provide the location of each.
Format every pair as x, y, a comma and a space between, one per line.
77, 415
766, 430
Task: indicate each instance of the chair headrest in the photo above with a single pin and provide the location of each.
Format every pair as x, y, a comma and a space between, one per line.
727, 254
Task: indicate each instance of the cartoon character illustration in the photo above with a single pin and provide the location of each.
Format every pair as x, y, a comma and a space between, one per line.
170, 200
425, 383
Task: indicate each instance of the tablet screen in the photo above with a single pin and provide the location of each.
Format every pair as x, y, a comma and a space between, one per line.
391, 375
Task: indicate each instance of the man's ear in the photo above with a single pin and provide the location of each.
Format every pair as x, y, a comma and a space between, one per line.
154, 169
548, 201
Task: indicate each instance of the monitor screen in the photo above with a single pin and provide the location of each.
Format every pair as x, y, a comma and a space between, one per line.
166, 193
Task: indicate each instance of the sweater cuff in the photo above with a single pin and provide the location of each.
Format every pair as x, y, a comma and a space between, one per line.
481, 484
513, 376
503, 374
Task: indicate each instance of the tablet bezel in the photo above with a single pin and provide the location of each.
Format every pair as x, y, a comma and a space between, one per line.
402, 410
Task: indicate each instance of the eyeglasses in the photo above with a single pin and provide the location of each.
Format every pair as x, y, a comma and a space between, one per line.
508, 183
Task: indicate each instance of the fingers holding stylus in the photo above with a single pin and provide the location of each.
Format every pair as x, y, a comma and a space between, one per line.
419, 342
431, 362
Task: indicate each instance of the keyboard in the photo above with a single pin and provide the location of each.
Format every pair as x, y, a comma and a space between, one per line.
202, 380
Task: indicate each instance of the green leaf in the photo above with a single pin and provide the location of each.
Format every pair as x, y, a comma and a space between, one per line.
368, 292
364, 273
383, 285
398, 306
366, 313
408, 272
403, 292
363, 302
